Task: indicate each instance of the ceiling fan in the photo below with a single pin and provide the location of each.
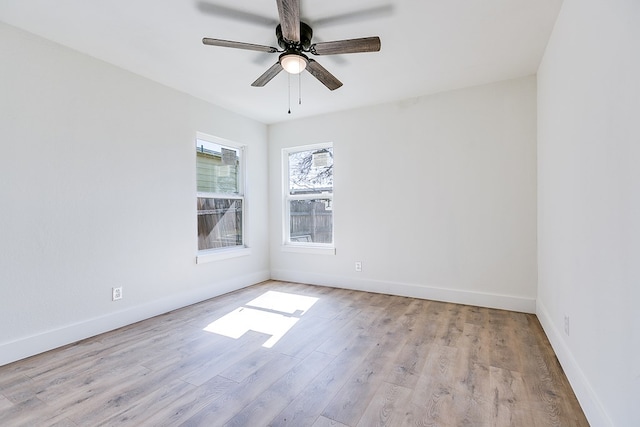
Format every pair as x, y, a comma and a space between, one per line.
294, 38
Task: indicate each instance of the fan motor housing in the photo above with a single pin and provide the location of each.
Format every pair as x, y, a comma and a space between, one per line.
306, 33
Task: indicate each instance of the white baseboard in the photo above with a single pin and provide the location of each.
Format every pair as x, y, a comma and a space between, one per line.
593, 409
481, 299
48, 340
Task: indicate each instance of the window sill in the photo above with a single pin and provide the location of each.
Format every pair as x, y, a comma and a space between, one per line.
204, 257
308, 249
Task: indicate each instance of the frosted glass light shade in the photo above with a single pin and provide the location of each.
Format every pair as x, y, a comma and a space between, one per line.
293, 64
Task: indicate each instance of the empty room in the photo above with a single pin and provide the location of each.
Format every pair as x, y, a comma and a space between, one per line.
308, 213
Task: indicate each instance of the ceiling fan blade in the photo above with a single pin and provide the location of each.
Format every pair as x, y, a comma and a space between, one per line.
355, 16
289, 11
238, 45
335, 58
325, 77
366, 44
268, 75
238, 15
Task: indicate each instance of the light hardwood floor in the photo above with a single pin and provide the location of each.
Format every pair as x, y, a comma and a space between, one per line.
350, 359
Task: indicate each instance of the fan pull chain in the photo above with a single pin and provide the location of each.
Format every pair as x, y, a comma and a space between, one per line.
300, 89
289, 87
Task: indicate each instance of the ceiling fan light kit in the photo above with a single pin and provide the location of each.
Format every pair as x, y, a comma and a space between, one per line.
294, 37
293, 63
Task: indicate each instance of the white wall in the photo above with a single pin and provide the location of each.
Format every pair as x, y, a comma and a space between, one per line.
589, 203
435, 195
97, 189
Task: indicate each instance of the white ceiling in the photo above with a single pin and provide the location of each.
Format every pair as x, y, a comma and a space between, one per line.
428, 46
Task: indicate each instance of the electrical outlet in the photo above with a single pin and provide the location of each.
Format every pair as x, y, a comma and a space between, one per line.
566, 324
358, 265
116, 293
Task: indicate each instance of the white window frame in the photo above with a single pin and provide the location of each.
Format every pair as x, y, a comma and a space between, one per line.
303, 247
215, 254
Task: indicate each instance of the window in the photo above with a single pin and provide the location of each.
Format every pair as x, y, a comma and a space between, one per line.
309, 196
220, 199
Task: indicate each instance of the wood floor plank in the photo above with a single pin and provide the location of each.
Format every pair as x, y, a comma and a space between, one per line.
217, 362
311, 332
476, 315
24, 412
49, 418
201, 343
189, 403
238, 397
241, 369
419, 333
272, 401
503, 341
352, 358
55, 359
17, 387
510, 406
432, 400
85, 385
5, 403
326, 422
307, 406
471, 377
330, 304
386, 407
351, 330
88, 406
306, 336
63, 422
452, 325
354, 397
155, 400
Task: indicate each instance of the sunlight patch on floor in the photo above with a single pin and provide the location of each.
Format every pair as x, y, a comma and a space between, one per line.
272, 313
283, 302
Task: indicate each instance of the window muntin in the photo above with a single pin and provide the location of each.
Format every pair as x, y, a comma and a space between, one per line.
309, 195
220, 199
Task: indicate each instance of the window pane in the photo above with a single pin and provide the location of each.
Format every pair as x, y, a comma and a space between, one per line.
217, 168
219, 223
311, 221
311, 171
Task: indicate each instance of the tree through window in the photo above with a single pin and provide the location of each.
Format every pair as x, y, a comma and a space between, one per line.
309, 195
